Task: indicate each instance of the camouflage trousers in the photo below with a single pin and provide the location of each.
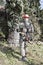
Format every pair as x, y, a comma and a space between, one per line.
22, 47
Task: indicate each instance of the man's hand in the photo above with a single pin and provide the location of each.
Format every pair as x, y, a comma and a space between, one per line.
22, 33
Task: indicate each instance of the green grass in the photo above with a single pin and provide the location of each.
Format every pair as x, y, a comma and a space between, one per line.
9, 56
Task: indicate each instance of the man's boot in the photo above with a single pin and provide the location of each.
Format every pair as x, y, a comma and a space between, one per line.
23, 58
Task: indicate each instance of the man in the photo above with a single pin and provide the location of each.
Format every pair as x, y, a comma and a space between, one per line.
26, 31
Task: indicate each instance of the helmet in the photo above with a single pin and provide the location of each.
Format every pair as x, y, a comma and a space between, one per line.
25, 16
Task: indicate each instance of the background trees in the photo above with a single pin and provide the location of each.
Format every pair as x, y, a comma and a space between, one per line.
17, 7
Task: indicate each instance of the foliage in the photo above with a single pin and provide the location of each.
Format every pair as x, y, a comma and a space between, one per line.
27, 6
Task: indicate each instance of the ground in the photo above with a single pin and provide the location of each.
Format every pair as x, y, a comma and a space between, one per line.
9, 56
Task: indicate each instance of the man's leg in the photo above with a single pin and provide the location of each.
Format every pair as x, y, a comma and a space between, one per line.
23, 51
